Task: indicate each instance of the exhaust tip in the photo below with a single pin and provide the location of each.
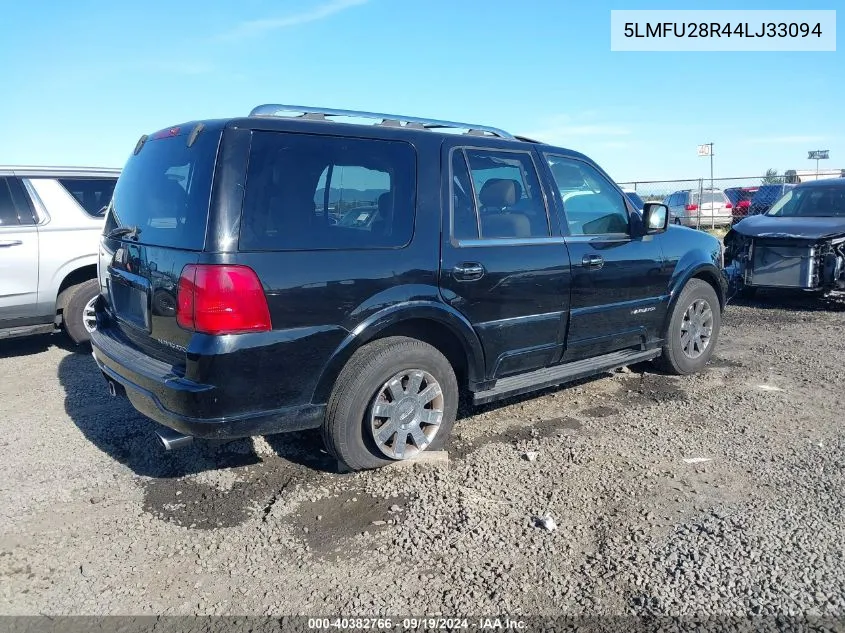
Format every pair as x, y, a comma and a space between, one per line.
112, 388
172, 440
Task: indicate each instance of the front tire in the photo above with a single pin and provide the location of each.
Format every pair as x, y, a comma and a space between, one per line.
693, 330
394, 398
77, 316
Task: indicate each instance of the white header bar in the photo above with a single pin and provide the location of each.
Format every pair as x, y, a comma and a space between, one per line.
728, 30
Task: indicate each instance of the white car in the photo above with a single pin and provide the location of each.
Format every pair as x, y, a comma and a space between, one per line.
708, 208
51, 220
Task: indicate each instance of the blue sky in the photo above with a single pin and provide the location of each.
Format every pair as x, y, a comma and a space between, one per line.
84, 80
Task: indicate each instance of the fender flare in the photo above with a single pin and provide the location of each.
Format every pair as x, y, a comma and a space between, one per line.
711, 273
372, 326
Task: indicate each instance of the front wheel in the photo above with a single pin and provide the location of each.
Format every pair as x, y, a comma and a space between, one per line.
693, 329
395, 398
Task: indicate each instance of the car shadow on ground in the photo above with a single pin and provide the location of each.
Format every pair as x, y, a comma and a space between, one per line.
30, 345
113, 426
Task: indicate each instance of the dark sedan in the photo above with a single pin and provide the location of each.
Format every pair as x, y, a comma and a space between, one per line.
798, 243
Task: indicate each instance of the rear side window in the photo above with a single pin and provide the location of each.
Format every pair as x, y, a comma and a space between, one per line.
306, 192
496, 193
164, 190
14, 205
92, 194
8, 212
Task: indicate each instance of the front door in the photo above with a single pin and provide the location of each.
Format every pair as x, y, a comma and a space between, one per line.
503, 265
620, 280
18, 254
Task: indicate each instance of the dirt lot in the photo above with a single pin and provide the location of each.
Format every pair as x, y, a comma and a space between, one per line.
95, 518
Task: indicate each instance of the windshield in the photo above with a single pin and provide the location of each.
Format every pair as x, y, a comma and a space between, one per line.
164, 190
812, 202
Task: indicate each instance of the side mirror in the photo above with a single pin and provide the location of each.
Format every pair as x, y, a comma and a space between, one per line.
655, 217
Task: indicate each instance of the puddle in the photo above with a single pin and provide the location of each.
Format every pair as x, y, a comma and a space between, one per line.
600, 412
652, 388
202, 506
725, 363
459, 447
329, 524
236, 482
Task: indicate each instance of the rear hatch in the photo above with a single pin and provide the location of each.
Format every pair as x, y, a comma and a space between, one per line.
155, 227
712, 204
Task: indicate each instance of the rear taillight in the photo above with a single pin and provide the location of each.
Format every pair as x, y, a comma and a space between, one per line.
744, 204
728, 205
221, 299
692, 207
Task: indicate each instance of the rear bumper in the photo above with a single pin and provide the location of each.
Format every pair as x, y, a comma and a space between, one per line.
174, 401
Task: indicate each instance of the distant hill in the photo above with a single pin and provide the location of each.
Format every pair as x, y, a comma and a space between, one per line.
349, 195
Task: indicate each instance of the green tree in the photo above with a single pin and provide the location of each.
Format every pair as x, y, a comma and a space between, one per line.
771, 177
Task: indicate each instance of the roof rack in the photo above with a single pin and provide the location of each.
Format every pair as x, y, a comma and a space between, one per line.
391, 120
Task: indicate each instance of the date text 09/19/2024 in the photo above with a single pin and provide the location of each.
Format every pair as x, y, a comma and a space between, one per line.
418, 624
716, 29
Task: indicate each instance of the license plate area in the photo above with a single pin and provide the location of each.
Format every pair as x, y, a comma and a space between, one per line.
130, 296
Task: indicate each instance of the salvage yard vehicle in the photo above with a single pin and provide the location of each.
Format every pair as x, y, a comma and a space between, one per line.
799, 243
233, 305
694, 208
51, 220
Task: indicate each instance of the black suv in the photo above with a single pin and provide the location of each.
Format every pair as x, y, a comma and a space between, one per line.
243, 295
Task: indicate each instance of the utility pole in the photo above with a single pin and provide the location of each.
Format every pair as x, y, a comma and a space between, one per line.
707, 150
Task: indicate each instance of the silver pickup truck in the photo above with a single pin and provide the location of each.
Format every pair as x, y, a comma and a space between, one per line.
50, 224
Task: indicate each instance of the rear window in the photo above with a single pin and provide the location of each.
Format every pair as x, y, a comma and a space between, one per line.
92, 194
306, 192
709, 197
165, 189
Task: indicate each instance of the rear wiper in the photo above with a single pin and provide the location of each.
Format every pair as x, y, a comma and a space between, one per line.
128, 231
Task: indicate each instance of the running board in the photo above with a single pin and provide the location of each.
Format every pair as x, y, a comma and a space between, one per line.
559, 374
27, 330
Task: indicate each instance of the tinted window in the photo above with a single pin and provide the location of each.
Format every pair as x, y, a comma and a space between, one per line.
92, 194
307, 192
464, 212
165, 189
506, 195
8, 212
14, 204
592, 204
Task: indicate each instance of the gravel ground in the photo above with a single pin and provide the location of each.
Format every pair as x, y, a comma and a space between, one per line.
96, 519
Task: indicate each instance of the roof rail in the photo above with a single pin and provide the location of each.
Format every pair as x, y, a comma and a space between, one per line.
393, 120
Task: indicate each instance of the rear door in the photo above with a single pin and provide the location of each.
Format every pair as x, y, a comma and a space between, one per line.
620, 279
18, 253
502, 264
157, 219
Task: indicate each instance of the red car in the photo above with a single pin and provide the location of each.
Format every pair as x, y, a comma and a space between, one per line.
740, 197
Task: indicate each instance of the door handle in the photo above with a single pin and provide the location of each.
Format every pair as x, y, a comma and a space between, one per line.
468, 271
5, 243
592, 261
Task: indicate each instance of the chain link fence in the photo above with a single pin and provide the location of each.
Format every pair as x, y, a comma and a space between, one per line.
703, 203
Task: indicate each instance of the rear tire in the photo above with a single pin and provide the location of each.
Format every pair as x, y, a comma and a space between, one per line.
400, 378
73, 315
693, 330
